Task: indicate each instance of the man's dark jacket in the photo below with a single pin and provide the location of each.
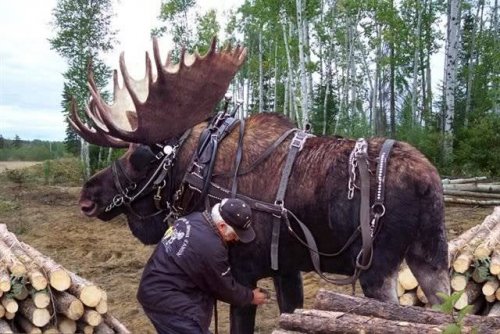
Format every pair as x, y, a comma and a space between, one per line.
188, 269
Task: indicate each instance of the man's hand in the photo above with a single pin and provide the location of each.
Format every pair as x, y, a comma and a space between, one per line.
259, 296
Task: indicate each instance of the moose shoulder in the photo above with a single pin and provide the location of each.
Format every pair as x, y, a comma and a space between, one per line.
317, 194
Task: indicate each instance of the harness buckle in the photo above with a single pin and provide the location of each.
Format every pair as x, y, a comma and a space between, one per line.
299, 140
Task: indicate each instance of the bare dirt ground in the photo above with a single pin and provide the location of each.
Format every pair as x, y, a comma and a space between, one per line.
48, 218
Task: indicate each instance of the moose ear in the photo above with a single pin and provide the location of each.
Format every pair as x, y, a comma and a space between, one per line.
141, 157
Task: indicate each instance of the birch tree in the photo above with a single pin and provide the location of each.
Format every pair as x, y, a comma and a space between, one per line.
451, 54
304, 96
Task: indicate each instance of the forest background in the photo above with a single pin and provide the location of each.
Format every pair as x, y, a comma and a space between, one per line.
354, 68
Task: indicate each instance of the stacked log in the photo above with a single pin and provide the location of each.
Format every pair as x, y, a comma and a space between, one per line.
338, 313
474, 258
39, 295
475, 191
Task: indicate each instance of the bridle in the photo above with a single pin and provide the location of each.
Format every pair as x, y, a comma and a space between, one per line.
159, 179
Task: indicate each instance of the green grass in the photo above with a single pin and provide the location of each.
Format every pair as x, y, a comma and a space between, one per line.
65, 172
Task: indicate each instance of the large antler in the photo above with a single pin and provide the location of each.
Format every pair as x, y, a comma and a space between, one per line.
178, 97
90, 134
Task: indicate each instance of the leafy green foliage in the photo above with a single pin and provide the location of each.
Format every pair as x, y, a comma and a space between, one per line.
35, 150
478, 147
447, 307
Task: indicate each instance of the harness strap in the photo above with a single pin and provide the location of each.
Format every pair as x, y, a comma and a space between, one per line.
296, 146
264, 155
378, 208
237, 160
195, 182
364, 209
310, 243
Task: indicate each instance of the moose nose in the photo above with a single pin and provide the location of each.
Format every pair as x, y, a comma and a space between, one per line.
88, 207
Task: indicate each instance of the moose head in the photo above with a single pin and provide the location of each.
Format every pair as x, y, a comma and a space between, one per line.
148, 116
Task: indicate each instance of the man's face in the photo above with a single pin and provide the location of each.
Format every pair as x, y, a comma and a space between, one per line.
228, 233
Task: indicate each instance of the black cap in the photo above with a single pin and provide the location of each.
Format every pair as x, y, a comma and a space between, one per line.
237, 214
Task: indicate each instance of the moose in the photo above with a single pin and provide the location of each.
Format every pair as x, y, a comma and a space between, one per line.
163, 118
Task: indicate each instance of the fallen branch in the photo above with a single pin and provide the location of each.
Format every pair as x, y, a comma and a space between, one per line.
483, 187
462, 193
467, 180
457, 200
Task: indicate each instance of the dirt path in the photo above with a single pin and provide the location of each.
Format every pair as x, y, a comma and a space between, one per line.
48, 218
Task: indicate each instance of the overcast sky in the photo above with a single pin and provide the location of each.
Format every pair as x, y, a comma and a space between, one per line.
31, 79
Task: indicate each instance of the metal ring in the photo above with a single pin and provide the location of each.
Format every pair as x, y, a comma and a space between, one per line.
376, 207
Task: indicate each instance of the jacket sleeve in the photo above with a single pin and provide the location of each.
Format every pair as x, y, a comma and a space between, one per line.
217, 279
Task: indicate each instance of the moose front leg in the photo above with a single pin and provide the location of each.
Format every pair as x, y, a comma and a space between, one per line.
289, 291
242, 319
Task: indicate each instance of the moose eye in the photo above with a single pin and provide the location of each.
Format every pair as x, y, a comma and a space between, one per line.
141, 157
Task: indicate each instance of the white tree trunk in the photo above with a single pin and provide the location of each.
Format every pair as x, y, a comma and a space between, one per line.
307, 44
84, 156
352, 67
494, 21
261, 75
416, 59
453, 30
286, 100
275, 104
366, 69
376, 110
247, 97
110, 154
291, 82
302, 64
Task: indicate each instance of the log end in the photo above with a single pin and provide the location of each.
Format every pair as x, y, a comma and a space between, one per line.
60, 280
91, 295
41, 317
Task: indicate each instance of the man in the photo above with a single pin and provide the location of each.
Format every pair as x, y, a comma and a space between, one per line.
189, 269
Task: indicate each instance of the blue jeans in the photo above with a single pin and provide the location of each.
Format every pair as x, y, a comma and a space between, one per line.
168, 323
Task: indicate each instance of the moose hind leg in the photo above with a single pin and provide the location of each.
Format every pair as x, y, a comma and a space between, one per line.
289, 291
242, 319
427, 258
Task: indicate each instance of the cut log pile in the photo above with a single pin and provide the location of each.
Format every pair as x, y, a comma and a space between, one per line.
474, 258
339, 313
475, 191
37, 295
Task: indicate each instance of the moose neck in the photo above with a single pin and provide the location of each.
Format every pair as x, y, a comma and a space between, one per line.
149, 229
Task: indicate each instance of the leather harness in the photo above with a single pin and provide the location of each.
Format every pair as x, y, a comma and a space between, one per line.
195, 179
